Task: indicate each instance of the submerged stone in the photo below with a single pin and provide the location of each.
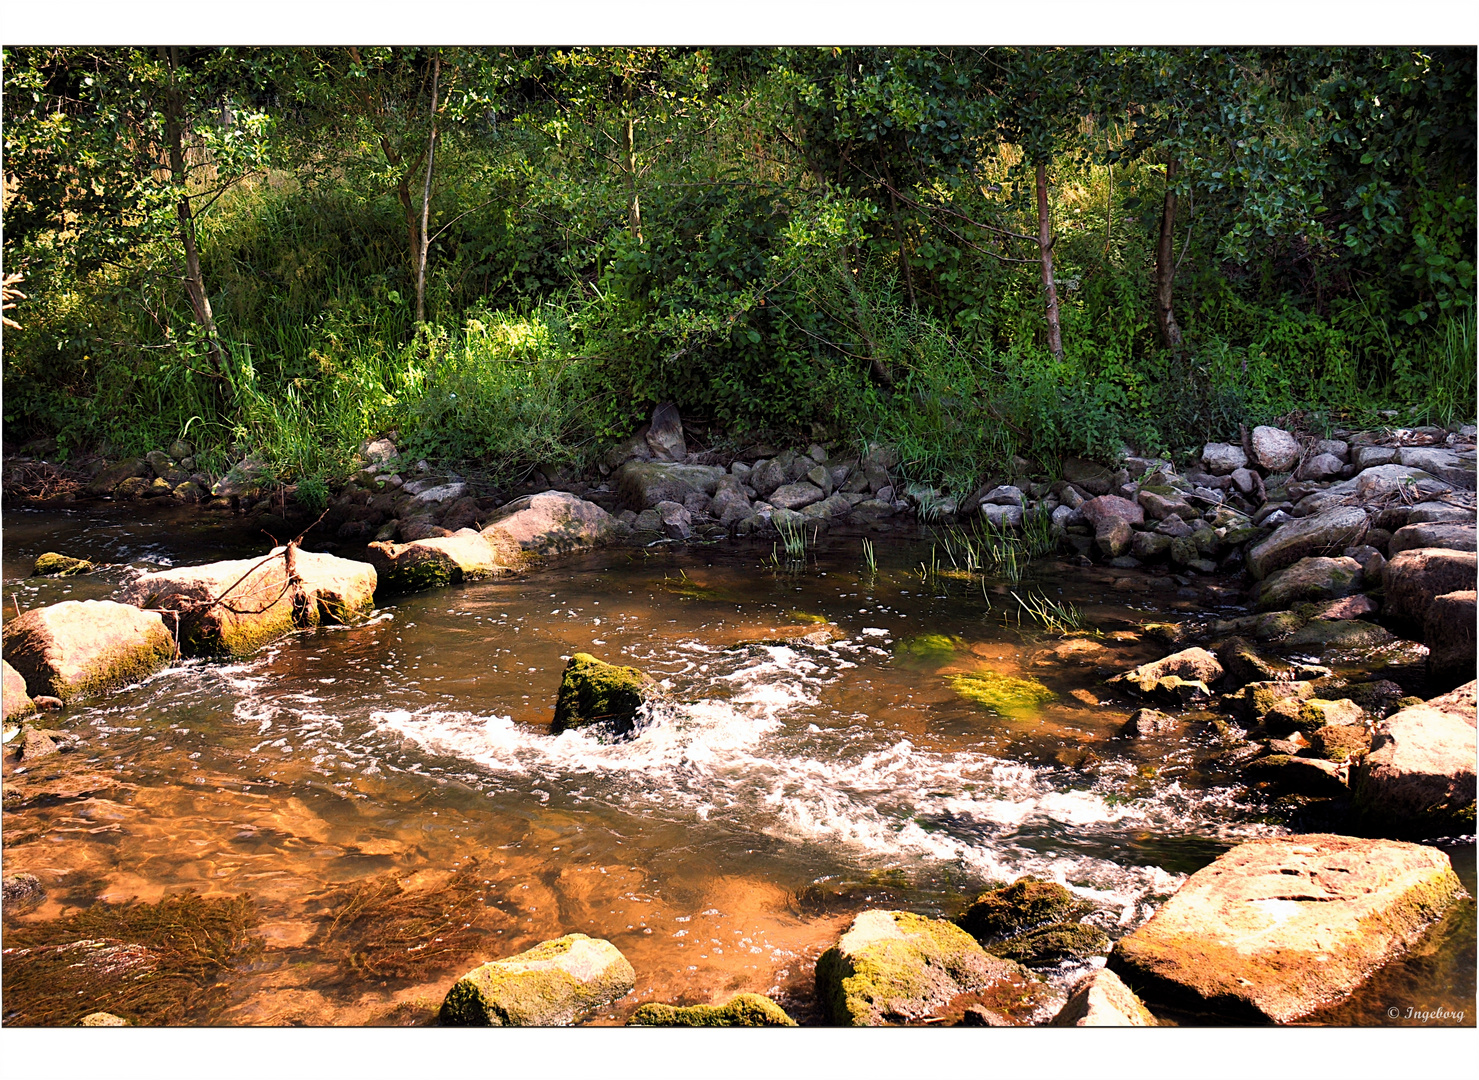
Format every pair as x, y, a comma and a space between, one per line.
1053, 944
1002, 694
928, 650
743, 1010
81, 647
595, 692
894, 967
552, 985
1281, 926
53, 565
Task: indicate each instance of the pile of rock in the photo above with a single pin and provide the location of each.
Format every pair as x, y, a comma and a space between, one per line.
157, 475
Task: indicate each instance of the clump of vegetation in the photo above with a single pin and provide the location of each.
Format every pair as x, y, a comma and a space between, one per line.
1056, 616
152, 964
379, 930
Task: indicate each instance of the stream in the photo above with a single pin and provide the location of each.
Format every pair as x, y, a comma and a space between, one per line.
809, 758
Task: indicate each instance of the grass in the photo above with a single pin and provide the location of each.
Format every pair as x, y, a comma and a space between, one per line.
1056, 616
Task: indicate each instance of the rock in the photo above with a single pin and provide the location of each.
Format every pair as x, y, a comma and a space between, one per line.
1322, 712
595, 692
53, 565
260, 606
895, 967
1161, 504
665, 434
378, 452
1024, 905
1378, 697
1090, 477
1312, 578
1331, 635
1103, 509
1101, 999
1149, 546
36, 744
1340, 742
1146, 723
243, 479
742, 1010
1053, 944
1349, 607
1438, 511
795, 496
677, 522
1368, 456
1256, 938
425, 492
830, 507
549, 523
1245, 480
1416, 577
1243, 664
642, 484
82, 647
1274, 449
551, 985
1002, 517
17, 701
1448, 631
980, 1016
421, 529
102, 1019
1174, 527
1384, 481
1337, 448
113, 475
1321, 467
1220, 459
1189, 664
1418, 779
1004, 495
1447, 465
1326, 533
432, 563
1254, 701
1457, 536
21, 893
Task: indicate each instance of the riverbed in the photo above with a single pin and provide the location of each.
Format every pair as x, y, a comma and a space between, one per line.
811, 756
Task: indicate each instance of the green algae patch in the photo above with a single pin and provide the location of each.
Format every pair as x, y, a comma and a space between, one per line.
1024, 905
743, 1010
1002, 694
157, 964
595, 692
53, 565
1053, 944
550, 985
928, 650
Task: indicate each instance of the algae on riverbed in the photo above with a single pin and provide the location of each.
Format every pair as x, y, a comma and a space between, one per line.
1011, 697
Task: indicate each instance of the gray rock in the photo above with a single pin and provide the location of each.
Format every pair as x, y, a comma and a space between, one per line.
1438, 511
1416, 577
1004, 495
831, 507
1159, 505
1313, 578
1220, 459
1337, 635
1004, 517
1279, 927
551, 985
677, 522
1064, 516
1370, 456
1321, 467
1325, 533
767, 476
549, 523
1087, 475
1419, 777
378, 452
1245, 480
642, 484
1101, 999
795, 496
1447, 465
1173, 526
1274, 449
1337, 448
1458, 536
1409, 484
665, 434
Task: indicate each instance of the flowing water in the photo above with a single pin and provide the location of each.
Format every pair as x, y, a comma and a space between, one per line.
810, 757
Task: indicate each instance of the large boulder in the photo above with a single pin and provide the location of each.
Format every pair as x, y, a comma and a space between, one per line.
1418, 576
1220, 459
1448, 631
552, 985
894, 967
1315, 578
433, 562
742, 1010
1326, 533
1191, 665
1274, 448
1281, 926
1459, 536
665, 434
595, 692
795, 496
1418, 779
1451, 466
1101, 999
16, 701
1026, 904
549, 523
642, 484
256, 603
81, 647
1386, 481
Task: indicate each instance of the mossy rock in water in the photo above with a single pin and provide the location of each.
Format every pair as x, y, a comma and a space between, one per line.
744, 1010
1053, 944
53, 565
595, 692
928, 650
551, 985
1002, 693
1024, 905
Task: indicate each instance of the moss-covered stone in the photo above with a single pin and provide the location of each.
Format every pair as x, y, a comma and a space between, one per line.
1053, 944
551, 985
595, 692
743, 1010
1340, 742
1254, 701
1319, 712
53, 565
1024, 905
82, 647
1002, 694
1328, 635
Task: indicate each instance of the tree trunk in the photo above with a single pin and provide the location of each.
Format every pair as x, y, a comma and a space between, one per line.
431, 145
1045, 250
1165, 264
629, 164
908, 275
200, 303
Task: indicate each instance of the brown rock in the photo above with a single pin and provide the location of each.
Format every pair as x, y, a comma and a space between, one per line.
424, 564
1189, 664
1433, 534
665, 434
1279, 927
1340, 742
1101, 999
1418, 576
1347, 607
1145, 723
17, 702
1448, 632
81, 647
552, 523
1419, 777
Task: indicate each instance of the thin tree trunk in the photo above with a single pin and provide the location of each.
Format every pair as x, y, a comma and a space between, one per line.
1045, 250
1165, 264
431, 145
200, 302
629, 156
899, 241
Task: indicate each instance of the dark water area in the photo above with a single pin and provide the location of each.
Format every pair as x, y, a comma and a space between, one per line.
812, 756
